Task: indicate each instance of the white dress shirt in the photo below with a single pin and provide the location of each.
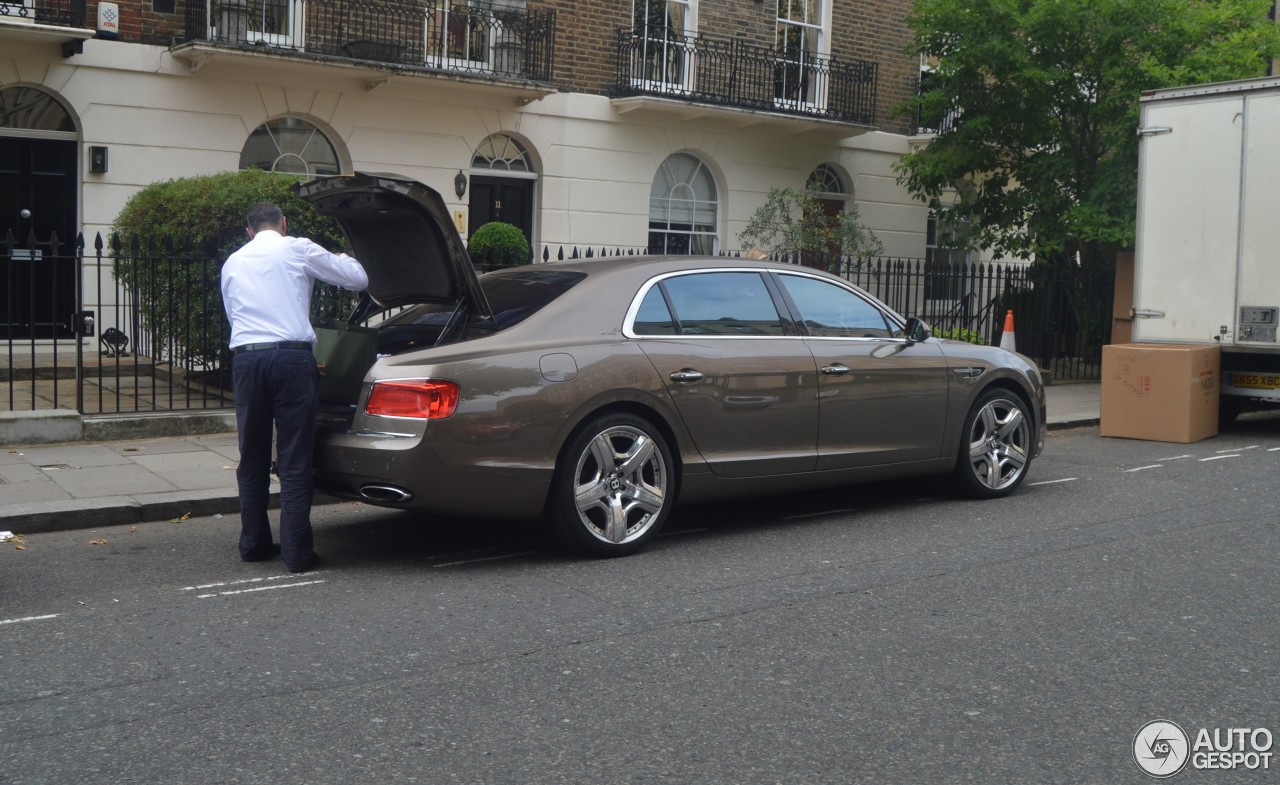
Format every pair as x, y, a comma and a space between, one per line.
266, 286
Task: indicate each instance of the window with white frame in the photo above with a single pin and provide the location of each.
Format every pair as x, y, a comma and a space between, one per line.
501, 153
799, 43
946, 257
683, 207
661, 30
290, 144
271, 22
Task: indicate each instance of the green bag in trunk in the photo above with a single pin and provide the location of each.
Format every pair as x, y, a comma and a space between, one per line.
346, 351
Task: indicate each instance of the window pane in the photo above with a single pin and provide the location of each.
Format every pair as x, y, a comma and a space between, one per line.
654, 318
830, 310
31, 109
683, 207
723, 304
290, 144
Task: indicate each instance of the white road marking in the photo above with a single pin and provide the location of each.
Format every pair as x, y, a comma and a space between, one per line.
1219, 457
1234, 449
247, 580
1144, 468
1173, 458
1052, 482
257, 588
1273, 449
486, 558
29, 618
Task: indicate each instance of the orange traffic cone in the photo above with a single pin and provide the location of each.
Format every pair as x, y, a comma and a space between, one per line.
1008, 340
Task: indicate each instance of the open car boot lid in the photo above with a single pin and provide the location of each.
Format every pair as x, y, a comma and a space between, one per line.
401, 232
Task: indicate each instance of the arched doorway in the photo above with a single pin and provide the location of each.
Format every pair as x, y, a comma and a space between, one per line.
502, 185
38, 202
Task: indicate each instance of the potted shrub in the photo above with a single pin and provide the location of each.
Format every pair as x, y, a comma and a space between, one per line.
498, 244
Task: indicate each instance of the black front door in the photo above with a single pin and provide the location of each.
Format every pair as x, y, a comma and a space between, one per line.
37, 201
500, 199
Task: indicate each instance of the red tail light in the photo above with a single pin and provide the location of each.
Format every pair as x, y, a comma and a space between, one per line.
423, 399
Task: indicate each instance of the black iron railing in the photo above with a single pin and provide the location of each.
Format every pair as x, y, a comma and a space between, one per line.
158, 339
60, 13
733, 73
512, 43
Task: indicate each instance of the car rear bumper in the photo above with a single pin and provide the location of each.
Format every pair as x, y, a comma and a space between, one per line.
405, 472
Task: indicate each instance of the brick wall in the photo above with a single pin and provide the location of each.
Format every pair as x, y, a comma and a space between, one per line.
586, 50
874, 30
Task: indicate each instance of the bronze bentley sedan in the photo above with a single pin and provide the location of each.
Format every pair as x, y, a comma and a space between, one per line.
598, 394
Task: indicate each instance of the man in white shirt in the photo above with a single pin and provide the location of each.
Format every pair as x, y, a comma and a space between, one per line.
266, 290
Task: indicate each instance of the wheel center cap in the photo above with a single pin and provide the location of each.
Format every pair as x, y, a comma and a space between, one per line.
615, 484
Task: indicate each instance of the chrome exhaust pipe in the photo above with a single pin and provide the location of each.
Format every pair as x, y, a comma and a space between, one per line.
384, 494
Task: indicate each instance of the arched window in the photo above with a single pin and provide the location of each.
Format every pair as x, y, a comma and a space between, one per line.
832, 193
828, 182
501, 153
30, 109
290, 144
683, 208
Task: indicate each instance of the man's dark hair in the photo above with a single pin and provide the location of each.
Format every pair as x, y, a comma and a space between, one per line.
264, 215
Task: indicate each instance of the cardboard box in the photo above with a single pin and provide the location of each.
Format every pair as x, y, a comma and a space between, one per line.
1160, 392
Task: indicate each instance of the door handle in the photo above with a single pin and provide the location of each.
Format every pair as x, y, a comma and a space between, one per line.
686, 376
836, 369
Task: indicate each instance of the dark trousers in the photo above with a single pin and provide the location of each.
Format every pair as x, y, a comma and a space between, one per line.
276, 386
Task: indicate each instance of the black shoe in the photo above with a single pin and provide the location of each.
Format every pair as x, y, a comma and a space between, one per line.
312, 562
262, 553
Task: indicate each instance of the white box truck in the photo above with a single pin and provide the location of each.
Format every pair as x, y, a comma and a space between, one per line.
1207, 253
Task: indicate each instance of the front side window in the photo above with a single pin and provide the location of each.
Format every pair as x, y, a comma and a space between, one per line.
831, 311
683, 208
659, 29
799, 42
290, 144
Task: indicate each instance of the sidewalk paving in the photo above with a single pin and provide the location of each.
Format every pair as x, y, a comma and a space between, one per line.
85, 485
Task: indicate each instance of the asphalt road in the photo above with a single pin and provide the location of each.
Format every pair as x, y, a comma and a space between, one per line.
879, 634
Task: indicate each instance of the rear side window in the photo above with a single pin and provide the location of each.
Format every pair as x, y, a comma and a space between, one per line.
730, 303
832, 311
654, 317
513, 296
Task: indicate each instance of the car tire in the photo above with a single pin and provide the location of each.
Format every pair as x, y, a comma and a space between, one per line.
613, 488
995, 445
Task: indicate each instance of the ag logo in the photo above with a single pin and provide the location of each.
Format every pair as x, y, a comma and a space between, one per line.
1160, 748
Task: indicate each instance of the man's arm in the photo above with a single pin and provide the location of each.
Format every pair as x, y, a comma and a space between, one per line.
337, 269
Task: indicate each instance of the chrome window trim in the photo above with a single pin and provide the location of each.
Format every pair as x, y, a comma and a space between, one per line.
628, 322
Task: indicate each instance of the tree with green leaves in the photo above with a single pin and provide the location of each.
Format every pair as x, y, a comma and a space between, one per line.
1035, 106
792, 221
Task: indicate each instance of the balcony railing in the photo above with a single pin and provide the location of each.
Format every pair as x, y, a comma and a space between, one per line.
59, 13
732, 73
436, 34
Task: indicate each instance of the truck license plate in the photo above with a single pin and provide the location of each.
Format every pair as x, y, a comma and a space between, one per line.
1254, 381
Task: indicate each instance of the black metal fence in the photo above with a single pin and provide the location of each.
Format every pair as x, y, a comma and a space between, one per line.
730, 72
476, 40
105, 329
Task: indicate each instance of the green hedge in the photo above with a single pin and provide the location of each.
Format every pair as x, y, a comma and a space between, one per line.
498, 243
960, 334
171, 239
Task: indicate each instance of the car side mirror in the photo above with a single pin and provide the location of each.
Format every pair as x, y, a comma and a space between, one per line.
916, 331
